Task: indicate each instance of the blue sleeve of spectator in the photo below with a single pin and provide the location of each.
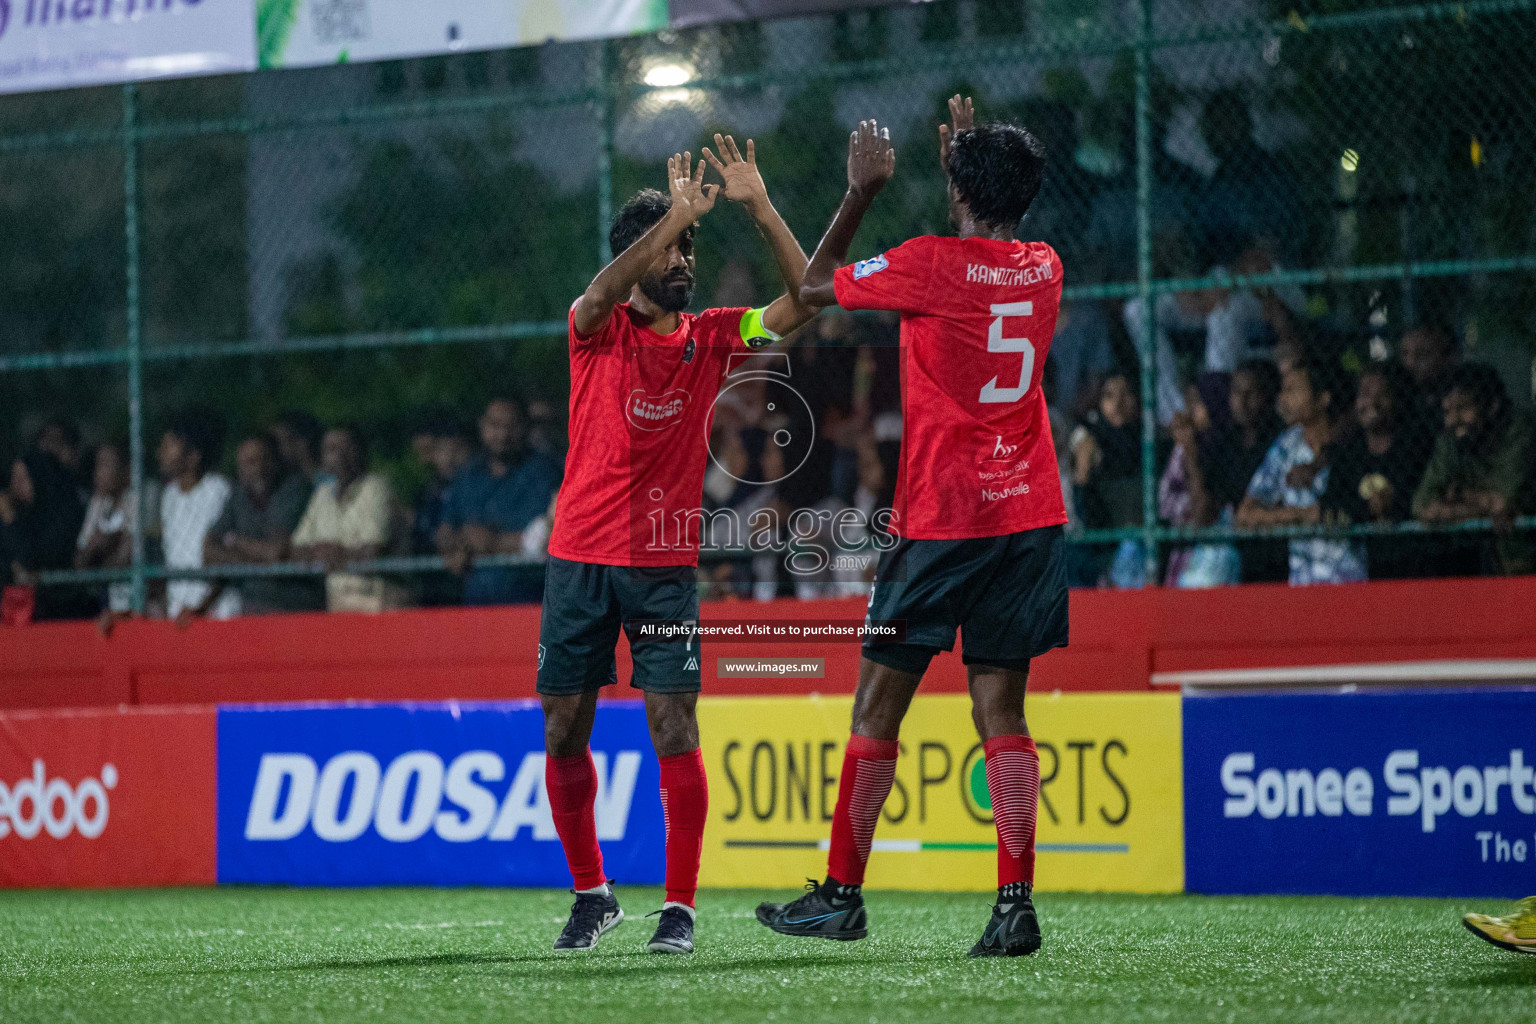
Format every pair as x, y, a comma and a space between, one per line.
1267, 481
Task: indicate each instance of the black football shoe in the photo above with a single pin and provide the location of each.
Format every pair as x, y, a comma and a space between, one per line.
591, 915
828, 910
1014, 929
674, 932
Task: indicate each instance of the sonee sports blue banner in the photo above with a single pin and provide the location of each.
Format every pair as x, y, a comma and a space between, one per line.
428, 794
1365, 794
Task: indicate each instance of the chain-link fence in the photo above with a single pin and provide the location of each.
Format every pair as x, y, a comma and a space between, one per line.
1280, 187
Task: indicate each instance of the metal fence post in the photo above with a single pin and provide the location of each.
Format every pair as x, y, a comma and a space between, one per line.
604, 153
135, 339
1147, 343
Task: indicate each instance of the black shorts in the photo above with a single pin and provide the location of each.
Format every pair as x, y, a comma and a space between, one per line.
1007, 595
584, 607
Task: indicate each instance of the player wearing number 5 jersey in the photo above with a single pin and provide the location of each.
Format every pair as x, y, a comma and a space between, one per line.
978, 506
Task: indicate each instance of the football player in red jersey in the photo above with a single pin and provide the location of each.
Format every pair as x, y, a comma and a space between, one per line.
978, 507
644, 378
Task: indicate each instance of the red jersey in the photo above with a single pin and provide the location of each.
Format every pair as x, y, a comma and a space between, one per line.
641, 408
977, 317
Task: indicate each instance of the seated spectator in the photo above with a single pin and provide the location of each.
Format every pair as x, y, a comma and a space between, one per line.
1106, 458
192, 501
1183, 500
1375, 470
298, 435
60, 437
349, 519
1228, 457
1081, 355
40, 517
256, 528
106, 538
443, 448
1482, 467
1293, 476
492, 503
1428, 353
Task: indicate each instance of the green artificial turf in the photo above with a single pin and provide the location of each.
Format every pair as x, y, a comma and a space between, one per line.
386, 955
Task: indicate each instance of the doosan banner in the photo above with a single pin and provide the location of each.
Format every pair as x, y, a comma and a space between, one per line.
429, 794
56, 44
1362, 794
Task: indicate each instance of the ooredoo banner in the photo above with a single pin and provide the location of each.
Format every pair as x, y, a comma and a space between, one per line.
1362, 794
1110, 800
107, 797
54, 44
424, 794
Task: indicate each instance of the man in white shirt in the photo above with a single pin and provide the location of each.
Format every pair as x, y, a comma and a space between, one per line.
192, 502
350, 518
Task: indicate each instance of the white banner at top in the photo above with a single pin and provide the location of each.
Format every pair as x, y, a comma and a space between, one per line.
56, 44
304, 33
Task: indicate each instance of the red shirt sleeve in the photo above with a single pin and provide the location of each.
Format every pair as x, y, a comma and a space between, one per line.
898, 279
601, 336
721, 328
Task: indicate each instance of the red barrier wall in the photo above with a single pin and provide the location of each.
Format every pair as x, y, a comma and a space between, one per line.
1118, 639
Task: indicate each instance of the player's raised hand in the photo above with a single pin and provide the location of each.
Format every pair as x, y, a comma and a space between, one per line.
743, 183
962, 117
690, 196
871, 158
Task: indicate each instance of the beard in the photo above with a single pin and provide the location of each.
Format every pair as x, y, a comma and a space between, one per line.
673, 296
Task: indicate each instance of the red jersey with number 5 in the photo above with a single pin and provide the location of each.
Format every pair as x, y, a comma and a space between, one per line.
977, 317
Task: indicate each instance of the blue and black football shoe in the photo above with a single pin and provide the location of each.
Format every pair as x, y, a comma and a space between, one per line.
828, 910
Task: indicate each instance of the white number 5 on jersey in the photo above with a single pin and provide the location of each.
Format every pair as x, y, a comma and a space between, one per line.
990, 392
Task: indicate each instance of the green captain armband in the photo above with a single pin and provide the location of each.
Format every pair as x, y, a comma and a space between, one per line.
755, 333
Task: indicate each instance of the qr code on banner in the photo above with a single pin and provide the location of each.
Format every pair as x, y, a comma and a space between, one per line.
338, 21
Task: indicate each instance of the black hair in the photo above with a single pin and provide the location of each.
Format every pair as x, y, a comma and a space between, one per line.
305, 425
638, 216
1484, 384
360, 439
66, 427
1325, 378
997, 170
202, 430
1400, 386
1265, 374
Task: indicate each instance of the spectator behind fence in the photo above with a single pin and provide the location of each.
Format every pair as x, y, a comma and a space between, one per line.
1376, 468
1231, 455
496, 506
256, 528
1429, 354
1482, 468
1293, 476
60, 437
1081, 355
1106, 458
1184, 499
443, 448
298, 436
106, 538
40, 516
193, 500
349, 519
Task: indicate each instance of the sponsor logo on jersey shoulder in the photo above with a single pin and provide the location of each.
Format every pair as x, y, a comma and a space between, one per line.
864, 268
39, 804
655, 412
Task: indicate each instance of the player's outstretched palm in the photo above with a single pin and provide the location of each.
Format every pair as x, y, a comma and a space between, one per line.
689, 193
962, 118
871, 158
743, 183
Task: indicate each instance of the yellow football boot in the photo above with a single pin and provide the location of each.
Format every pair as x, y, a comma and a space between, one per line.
1516, 933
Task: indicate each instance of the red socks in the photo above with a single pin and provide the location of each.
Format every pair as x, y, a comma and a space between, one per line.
869, 768
1013, 780
684, 809
572, 786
